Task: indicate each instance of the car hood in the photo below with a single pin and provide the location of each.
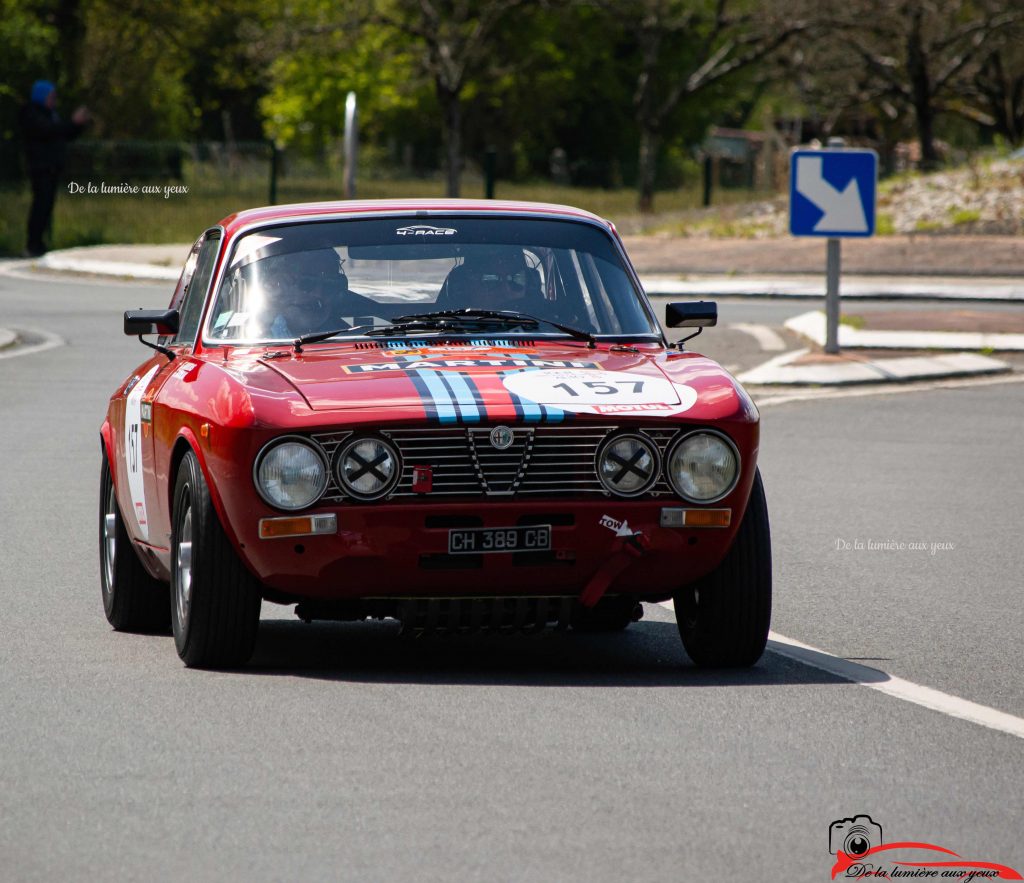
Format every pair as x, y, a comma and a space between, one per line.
470, 383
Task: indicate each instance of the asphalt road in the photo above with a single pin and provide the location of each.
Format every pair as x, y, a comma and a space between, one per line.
347, 753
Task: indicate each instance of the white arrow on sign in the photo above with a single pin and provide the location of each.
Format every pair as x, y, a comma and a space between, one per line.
844, 211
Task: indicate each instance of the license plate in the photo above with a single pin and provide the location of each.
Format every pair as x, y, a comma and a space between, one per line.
477, 540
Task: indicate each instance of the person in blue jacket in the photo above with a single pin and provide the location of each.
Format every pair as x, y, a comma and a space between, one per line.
46, 136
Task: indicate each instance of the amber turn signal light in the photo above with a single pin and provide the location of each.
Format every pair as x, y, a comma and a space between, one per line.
696, 517
298, 526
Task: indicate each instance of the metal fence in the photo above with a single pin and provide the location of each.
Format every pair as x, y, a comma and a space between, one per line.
168, 191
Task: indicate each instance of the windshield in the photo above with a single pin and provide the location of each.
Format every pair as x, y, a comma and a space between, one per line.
359, 276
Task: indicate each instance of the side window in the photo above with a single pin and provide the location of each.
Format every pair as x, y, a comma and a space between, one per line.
186, 274
182, 286
194, 292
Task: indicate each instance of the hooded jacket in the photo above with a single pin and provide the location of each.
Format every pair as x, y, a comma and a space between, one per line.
45, 133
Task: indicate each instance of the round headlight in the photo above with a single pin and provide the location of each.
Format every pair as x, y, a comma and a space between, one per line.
628, 465
703, 467
367, 467
291, 474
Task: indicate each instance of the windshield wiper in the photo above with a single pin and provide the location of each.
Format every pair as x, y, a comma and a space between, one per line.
446, 318
441, 320
317, 336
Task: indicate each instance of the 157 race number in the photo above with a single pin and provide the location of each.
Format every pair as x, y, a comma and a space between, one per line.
587, 390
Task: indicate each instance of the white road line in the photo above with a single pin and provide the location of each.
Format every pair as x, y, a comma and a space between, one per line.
898, 688
812, 325
49, 342
767, 339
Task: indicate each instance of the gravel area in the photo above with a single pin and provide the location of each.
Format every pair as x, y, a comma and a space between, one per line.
978, 198
917, 217
981, 197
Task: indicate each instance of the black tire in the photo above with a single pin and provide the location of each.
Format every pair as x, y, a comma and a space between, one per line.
608, 615
132, 599
215, 601
723, 618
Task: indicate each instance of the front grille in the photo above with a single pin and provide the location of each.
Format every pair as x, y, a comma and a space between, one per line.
541, 461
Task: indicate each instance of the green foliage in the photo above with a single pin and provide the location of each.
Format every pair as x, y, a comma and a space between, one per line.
884, 225
964, 215
27, 43
305, 102
566, 90
129, 93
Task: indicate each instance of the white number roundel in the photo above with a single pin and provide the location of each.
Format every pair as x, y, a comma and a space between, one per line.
601, 392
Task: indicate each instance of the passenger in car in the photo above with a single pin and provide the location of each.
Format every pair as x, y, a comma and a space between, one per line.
494, 278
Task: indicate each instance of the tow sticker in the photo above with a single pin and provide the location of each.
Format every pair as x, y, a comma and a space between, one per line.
619, 528
602, 392
133, 450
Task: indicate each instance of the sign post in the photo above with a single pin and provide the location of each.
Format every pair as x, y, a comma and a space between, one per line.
833, 267
832, 195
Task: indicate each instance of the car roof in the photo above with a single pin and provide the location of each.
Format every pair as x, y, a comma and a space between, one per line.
412, 207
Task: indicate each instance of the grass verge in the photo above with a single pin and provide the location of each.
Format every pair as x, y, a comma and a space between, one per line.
95, 219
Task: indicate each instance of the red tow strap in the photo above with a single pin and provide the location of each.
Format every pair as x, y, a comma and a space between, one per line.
630, 548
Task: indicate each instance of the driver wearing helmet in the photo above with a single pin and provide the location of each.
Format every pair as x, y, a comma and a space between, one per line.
303, 290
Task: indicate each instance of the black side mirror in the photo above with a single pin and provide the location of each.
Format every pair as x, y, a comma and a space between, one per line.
692, 314
137, 322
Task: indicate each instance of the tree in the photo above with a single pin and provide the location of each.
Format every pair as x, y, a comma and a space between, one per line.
325, 51
920, 54
994, 97
455, 39
685, 47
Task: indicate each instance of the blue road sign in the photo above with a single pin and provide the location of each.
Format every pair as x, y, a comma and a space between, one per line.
832, 192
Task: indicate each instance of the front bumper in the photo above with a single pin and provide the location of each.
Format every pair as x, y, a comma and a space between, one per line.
402, 551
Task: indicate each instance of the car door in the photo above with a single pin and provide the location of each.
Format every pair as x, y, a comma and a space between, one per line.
146, 438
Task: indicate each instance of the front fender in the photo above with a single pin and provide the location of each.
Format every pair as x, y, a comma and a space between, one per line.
187, 440
107, 448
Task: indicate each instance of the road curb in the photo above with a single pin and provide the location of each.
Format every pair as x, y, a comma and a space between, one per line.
781, 371
812, 326
70, 263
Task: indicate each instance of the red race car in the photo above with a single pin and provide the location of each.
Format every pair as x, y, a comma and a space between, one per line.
463, 415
